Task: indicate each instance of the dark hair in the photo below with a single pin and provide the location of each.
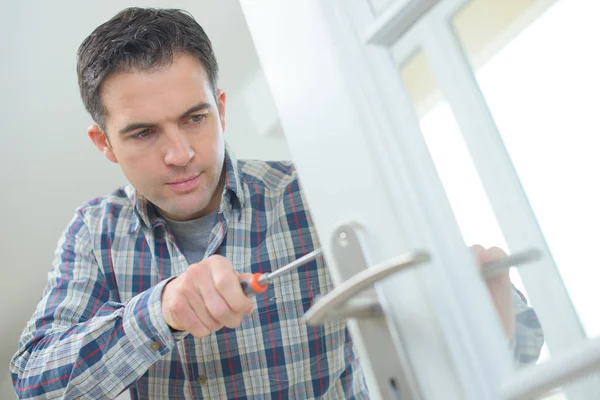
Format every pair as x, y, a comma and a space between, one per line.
139, 39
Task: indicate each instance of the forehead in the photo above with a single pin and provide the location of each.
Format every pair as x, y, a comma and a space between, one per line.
161, 93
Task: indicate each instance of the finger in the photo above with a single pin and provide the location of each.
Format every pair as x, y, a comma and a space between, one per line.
227, 284
484, 255
198, 329
247, 276
183, 318
495, 253
216, 305
479, 252
201, 313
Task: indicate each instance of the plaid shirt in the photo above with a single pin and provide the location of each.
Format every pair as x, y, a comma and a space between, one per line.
98, 329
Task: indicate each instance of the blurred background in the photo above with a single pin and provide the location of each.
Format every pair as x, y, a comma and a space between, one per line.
50, 167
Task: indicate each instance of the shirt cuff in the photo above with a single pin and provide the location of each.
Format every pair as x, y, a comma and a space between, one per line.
145, 325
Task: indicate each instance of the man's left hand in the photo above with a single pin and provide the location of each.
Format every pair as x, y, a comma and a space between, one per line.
499, 286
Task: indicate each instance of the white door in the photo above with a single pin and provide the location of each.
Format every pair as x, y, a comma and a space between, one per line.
352, 80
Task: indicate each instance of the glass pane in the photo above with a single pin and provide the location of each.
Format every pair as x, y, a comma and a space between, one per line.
451, 158
537, 66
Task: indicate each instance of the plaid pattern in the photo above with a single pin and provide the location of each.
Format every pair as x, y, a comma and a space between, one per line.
529, 336
98, 329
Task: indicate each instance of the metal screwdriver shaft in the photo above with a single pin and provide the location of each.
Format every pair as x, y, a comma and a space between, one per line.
258, 282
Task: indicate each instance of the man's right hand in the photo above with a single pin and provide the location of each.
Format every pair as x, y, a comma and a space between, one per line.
206, 297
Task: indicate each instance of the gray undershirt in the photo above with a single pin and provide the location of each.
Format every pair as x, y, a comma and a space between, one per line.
192, 236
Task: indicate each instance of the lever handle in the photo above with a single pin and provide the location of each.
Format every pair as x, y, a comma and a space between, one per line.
326, 307
341, 302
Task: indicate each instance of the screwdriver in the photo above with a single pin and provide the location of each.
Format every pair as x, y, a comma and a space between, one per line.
258, 282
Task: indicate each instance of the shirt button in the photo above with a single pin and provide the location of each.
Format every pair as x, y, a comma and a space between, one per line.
155, 346
202, 379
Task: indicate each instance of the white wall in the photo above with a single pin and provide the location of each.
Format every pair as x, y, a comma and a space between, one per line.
49, 167
249, 142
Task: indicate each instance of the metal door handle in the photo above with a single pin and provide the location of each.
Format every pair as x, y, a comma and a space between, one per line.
341, 302
327, 307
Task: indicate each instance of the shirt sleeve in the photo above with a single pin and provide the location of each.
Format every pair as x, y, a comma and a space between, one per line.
80, 342
528, 337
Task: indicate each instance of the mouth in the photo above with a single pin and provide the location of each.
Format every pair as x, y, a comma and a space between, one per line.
185, 184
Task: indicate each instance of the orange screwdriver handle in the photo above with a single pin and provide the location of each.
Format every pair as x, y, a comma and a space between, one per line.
252, 287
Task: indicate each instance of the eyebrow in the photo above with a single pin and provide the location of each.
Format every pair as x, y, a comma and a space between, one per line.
141, 125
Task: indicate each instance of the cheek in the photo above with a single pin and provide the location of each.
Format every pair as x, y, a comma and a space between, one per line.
141, 169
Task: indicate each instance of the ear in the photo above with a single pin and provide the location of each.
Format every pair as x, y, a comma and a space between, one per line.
101, 142
221, 104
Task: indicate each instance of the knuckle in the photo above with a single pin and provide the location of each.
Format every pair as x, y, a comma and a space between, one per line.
197, 271
477, 248
177, 305
496, 250
192, 268
243, 305
220, 311
184, 293
219, 262
213, 261
209, 321
216, 258
234, 321
199, 330
213, 325
222, 282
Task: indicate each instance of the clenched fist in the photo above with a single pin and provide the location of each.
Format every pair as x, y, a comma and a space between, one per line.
206, 297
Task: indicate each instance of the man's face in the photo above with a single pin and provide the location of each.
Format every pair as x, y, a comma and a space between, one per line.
165, 129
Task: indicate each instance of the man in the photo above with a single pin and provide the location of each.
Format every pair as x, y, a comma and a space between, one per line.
145, 292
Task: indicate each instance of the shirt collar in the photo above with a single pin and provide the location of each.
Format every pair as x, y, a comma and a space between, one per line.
232, 197
233, 182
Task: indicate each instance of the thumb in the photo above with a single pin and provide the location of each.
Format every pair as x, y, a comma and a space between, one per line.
247, 276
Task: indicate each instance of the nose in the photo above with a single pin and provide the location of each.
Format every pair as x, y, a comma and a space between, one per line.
179, 152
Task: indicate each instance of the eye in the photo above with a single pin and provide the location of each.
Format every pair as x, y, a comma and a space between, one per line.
141, 135
197, 118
